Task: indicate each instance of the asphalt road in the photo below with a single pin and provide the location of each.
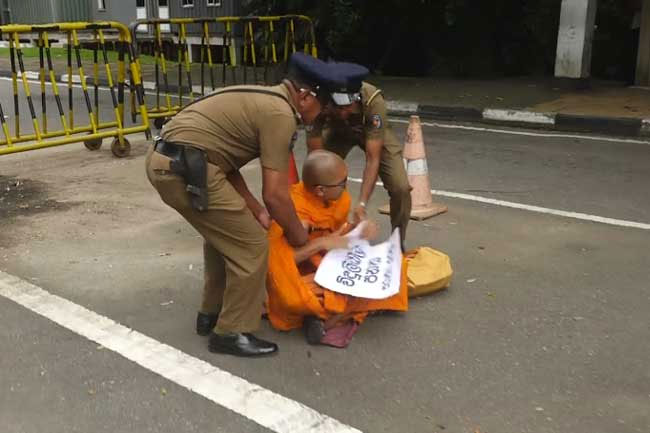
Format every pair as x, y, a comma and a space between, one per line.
544, 328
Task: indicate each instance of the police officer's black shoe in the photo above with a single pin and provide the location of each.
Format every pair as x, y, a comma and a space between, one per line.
205, 322
314, 329
240, 344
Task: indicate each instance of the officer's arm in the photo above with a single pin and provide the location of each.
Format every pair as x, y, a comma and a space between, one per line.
374, 147
371, 170
275, 193
237, 181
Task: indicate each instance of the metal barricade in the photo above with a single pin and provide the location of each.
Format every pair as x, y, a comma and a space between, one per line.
73, 36
265, 44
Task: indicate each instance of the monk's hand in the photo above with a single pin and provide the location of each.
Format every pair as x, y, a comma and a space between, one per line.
359, 214
369, 230
344, 229
333, 242
306, 225
263, 218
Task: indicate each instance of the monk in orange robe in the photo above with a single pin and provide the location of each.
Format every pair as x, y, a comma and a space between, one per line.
294, 299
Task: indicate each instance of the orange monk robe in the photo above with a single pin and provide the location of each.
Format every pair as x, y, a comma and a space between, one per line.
292, 292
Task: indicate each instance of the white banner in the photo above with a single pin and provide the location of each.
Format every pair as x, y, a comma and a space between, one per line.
363, 270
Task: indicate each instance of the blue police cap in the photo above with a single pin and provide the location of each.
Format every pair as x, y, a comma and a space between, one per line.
312, 72
348, 82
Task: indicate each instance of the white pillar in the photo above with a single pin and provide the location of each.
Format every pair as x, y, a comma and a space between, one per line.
574, 39
642, 76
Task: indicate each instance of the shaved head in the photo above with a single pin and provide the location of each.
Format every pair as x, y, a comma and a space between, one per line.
323, 168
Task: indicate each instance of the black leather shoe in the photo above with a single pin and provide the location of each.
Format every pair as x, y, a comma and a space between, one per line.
243, 344
205, 323
314, 329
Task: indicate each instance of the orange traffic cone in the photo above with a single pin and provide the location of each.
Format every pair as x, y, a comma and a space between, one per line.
415, 160
293, 170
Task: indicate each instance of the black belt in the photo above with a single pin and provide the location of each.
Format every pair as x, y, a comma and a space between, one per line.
190, 163
166, 148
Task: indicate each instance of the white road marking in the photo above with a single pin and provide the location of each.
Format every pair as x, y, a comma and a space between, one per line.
531, 134
63, 85
266, 408
531, 208
576, 215
392, 119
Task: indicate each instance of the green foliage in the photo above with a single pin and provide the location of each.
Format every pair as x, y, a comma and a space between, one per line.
461, 38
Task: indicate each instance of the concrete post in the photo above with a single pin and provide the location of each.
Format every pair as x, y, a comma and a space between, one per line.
574, 40
642, 76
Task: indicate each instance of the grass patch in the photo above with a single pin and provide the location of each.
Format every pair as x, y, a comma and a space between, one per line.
86, 55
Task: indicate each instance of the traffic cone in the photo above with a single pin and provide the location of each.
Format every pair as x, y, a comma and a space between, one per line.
293, 170
415, 160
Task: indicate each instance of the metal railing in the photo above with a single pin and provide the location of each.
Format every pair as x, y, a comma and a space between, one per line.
97, 36
229, 50
265, 43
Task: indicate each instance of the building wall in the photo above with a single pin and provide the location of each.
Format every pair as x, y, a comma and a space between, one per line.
200, 9
72, 10
48, 11
116, 10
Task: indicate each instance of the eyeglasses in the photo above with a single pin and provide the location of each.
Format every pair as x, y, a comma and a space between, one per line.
341, 184
311, 92
322, 97
344, 99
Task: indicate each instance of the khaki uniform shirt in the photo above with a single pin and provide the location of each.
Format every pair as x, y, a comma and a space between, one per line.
234, 128
374, 125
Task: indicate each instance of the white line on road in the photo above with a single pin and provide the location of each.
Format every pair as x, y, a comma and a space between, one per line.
258, 404
531, 208
436, 125
531, 134
91, 86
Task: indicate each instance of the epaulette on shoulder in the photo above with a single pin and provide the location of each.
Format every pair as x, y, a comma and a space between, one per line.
369, 101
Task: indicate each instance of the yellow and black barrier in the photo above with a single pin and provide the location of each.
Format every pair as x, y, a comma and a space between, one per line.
265, 43
95, 35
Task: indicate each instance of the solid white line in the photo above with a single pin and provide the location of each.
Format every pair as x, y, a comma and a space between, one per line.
90, 86
258, 404
531, 208
396, 120
531, 134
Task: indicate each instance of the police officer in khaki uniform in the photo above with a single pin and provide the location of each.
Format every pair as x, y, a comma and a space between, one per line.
195, 169
359, 119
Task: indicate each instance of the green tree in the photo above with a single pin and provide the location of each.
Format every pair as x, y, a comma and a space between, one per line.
461, 38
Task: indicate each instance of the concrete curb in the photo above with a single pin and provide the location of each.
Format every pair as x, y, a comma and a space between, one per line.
618, 126
621, 126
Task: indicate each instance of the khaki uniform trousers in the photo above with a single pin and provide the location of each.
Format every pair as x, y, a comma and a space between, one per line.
393, 175
235, 245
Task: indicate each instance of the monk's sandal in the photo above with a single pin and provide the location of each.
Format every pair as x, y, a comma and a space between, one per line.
314, 329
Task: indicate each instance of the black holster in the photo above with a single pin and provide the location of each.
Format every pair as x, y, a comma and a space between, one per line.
196, 177
190, 163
